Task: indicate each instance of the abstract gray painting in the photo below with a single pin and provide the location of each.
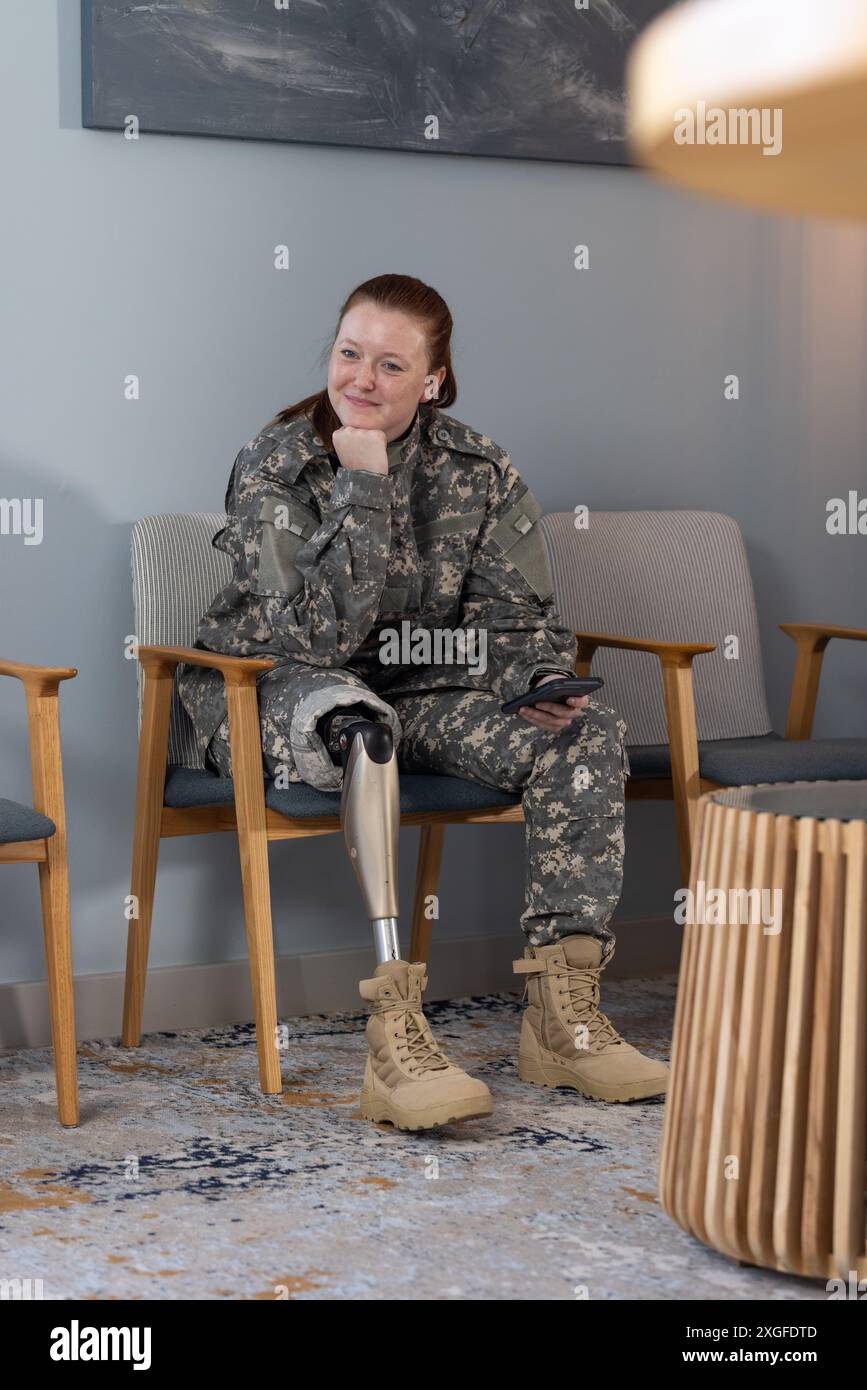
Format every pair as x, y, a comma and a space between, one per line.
525, 79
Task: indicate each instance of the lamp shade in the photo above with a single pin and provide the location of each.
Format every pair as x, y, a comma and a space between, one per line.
756, 101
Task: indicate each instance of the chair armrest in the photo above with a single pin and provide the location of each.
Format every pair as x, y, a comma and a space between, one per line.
811, 640
43, 721
669, 653
817, 631
38, 680
236, 670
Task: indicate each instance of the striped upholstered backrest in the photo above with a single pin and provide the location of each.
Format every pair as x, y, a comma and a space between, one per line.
676, 576
176, 574
680, 576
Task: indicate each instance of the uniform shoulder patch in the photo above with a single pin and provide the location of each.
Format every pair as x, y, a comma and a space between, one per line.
449, 433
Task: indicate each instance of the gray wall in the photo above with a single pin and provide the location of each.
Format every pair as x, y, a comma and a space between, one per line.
155, 258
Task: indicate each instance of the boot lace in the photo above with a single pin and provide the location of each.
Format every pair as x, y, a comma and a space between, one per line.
582, 991
418, 1043
422, 1049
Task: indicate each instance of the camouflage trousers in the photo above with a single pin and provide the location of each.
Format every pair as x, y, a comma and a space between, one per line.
572, 787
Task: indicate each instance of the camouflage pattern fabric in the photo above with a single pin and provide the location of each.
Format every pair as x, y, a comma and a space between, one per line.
326, 558
573, 798
572, 785
329, 561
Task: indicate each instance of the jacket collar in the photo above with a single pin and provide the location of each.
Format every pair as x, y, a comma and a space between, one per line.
405, 450
307, 446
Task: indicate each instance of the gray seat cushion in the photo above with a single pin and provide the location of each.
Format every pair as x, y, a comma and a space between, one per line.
737, 762
18, 822
190, 786
734, 762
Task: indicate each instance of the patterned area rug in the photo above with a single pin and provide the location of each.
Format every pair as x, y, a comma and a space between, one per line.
185, 1182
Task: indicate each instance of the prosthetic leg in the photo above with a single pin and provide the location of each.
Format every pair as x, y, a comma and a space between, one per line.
407, 1080
369, 815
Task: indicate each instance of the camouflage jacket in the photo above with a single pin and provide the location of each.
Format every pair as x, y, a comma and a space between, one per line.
329, 560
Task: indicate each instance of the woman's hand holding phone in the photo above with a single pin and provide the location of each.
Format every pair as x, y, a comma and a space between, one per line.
548, 715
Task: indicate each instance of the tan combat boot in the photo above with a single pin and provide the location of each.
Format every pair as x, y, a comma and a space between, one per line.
565, 1040
407, 1079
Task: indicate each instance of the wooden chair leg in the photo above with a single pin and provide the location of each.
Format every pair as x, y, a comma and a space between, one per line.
245, 741
427, 874
54, 893
150, 786
683, 740
46, 763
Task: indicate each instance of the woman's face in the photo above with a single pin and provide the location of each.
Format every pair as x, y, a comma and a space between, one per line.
377, 370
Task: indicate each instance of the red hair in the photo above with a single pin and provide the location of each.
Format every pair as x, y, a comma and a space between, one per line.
408, 296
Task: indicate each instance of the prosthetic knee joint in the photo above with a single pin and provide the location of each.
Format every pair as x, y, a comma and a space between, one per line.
369, 814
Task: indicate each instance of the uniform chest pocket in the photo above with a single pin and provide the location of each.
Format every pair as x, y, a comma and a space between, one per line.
444, 547
284, 528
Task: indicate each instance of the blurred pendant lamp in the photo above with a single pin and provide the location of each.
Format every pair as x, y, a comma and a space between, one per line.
761, 102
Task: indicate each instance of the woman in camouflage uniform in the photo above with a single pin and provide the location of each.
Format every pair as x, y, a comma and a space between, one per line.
365, 511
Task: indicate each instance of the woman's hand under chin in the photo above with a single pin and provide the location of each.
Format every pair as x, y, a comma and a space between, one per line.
363, 449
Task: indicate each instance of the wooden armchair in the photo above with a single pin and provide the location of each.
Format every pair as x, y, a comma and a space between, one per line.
678, 575
37, 835
176, 574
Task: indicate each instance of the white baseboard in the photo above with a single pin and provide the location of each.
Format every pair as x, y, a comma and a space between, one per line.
209, 996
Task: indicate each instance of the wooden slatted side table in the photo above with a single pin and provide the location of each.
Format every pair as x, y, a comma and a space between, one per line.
763, 1150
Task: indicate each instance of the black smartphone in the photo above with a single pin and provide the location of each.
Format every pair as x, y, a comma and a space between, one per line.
556, 691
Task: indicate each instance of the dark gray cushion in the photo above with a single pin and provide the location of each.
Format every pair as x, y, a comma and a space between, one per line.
734, 762
188, 786
737, 762
191, 786
19, 822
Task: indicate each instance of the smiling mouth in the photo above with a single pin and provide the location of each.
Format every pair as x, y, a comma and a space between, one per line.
356, 400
